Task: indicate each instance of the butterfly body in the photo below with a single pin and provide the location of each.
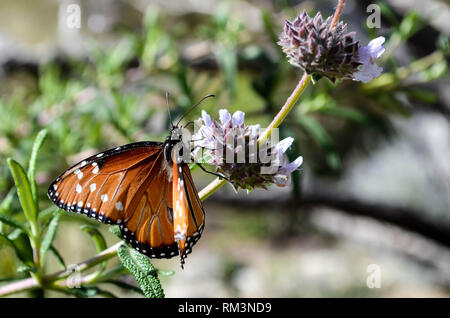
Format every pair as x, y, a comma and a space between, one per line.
145, 188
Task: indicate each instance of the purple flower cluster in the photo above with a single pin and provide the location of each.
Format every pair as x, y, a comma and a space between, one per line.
232, 147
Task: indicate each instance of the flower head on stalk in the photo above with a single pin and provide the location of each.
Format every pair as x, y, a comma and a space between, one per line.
321, 49
232, 147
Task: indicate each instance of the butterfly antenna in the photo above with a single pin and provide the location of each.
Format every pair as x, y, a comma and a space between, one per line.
192, 108
168, 110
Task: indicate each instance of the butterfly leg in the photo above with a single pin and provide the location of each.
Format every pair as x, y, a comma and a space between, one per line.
213, 173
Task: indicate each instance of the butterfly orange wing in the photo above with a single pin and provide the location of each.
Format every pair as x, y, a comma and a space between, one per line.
188, 216
128, 186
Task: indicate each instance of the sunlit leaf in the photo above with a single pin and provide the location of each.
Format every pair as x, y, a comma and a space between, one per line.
143, 271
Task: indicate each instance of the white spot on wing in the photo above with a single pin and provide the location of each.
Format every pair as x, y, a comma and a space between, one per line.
99, 155
80, 175
78, 188
104, 197
119, 206
83, 163
93, 187
95, 170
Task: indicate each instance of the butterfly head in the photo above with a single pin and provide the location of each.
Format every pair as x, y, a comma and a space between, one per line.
174, 141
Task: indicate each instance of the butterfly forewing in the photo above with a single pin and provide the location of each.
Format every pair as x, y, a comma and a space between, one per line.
103, 185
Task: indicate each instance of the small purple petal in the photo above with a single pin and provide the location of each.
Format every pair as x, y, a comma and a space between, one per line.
376, 47
293, 165
285, 144
224, 116
367, 55
254, 130
238, 118
368, 72
206, 119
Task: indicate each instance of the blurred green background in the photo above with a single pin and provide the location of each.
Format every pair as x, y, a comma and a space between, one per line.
375, 183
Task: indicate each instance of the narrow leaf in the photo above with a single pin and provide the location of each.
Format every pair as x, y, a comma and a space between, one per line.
7, 201
46, 214
165, 273
6, 219
23, 190
22, 247
346, 113
5, 206
125, 286
58, 256
50, 235
32, 164
98, 239
115, 230
315, 129
82, 291
142, 270
26, 269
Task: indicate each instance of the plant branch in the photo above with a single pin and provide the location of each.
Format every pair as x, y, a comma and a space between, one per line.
337, 13
403, 217
53, 279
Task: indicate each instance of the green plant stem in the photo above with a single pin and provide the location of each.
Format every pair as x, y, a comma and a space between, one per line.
58, 279
290, 103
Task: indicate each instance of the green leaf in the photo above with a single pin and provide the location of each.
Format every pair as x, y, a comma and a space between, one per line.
32, 164
44, 215
58, 256
98, 239
165, 273
409, 25
124, 286
115, 230
5, 206
26, 269
50, 235
12, 222
82, 291
23, 190
315, 129
387, 13
346, 113
22, 247
143, 271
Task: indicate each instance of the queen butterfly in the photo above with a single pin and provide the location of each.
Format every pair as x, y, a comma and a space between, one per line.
145, 188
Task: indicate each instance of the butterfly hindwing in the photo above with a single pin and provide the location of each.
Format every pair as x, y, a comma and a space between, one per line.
150, 228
